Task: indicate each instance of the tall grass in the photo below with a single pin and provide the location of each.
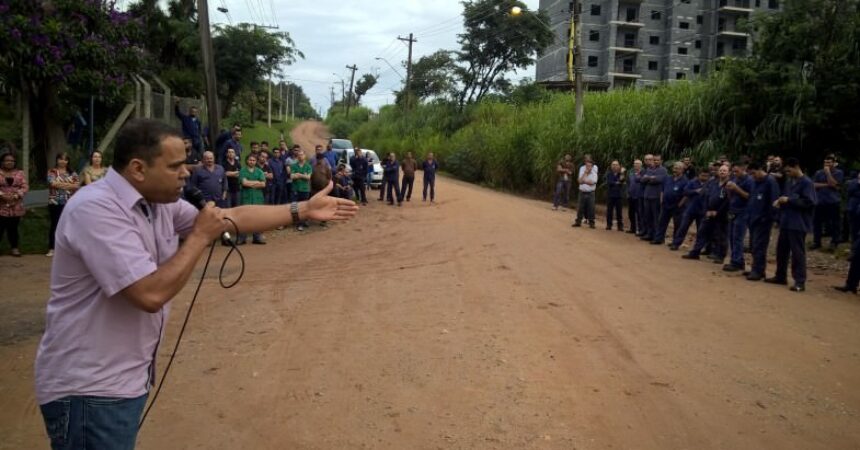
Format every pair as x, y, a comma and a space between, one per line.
516, 147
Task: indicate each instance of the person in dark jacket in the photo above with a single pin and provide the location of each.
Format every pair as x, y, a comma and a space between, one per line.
828, 185
191, 127
429, 167
739, 192
716, 212
615, 188
853, 212
359, 165
673, 194
653, 180
408, 165
760, 215
796, 207
634, 199
391, 173
693, 205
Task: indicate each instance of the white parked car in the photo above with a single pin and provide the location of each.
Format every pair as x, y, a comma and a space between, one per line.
374, 166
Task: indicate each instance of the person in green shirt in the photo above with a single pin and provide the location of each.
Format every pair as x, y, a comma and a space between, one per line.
300, 173
253, 182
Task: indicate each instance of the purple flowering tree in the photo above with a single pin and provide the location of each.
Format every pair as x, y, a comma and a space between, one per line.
59, 51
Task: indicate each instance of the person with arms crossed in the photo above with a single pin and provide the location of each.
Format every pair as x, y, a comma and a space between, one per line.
796, 206
587, 184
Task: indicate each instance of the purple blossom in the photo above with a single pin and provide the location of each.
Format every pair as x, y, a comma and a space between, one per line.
68, 68
40, 40
16, 34
55, 52
39, 61
4, 7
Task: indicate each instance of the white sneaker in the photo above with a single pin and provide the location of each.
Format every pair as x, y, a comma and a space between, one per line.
50, 253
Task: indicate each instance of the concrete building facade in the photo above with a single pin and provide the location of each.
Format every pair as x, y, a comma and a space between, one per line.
636, 43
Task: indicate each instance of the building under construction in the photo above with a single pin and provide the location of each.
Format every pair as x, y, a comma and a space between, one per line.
631, 43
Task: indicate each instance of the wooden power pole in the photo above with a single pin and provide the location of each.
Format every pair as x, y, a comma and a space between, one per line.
353, 68
410, 40
209, 68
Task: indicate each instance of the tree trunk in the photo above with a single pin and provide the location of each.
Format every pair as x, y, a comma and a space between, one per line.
47, 128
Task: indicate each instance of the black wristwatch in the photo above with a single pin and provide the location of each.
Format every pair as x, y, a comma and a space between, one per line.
294, 211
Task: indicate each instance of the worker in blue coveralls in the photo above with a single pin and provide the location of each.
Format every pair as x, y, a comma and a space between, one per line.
614, 194
716, 213
739, 192
391, 173
828, 185
652, 182
853, 212
673, 193
760, 216
694, 207
796, 206
634, 199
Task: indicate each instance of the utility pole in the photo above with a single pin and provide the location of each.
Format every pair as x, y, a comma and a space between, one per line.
209, 69
332, 96
281, 102
577, 60
353, 68
269, 120
410, 40
293, 108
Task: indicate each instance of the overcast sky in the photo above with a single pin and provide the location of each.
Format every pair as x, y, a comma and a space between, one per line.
333, 34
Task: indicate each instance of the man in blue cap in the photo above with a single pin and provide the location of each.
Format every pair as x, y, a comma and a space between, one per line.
796, 206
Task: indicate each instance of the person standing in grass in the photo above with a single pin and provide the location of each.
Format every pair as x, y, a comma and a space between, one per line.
62, 184
301, 172
253, 182
564, 171
94, 170
13, 186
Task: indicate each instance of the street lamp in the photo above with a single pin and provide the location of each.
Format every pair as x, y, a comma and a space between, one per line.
389, 65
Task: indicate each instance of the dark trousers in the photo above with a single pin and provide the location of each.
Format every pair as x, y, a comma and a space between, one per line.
561, 189
711, 226
650, 217
634, 213
666, 215
382, 187
429, 182
54, 211
93, 422
853, 279
737, 234
406, 189
279, 193
585, 207
288, 192
613, 208
392, 192
687, 220
232, 199
360, 189
9, 227
791, 243
827, 215
759, 240
301, 197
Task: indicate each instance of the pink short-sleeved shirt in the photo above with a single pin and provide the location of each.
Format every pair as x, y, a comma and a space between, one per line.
96, 343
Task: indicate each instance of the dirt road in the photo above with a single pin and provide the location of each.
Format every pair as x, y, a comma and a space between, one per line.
484, 321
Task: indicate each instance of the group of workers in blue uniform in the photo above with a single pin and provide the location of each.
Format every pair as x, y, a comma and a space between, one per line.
726, 200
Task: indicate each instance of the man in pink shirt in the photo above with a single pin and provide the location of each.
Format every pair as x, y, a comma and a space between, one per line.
117, 264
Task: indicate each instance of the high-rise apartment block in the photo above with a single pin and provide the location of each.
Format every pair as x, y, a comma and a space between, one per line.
639, 43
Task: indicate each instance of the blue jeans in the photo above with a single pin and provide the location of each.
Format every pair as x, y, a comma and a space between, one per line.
102, 423
561, 188
737, 234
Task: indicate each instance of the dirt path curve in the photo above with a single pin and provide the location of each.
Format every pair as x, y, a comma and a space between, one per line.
308, 134
484, 321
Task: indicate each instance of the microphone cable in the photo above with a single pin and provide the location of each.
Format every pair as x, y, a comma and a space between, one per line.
233, 248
